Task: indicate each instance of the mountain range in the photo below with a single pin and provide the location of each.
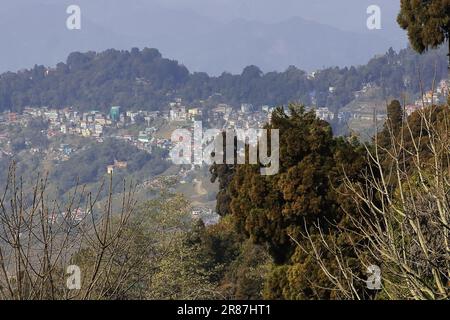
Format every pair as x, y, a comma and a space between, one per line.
36, 33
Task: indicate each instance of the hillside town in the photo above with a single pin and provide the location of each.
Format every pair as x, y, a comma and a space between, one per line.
142, 128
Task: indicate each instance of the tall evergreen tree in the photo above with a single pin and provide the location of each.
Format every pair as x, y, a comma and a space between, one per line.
276, 211
393, 124
427, 23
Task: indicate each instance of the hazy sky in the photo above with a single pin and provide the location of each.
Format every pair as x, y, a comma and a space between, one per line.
348, 15
345, 14
206, 35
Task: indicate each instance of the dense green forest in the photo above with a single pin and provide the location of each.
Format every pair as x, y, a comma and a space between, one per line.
144, 79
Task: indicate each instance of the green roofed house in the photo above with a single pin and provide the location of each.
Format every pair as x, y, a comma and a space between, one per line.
143, 137
115, 113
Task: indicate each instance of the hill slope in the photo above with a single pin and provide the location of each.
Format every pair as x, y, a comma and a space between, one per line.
144, 79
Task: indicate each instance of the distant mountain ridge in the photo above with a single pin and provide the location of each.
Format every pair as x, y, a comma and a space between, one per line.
35, 33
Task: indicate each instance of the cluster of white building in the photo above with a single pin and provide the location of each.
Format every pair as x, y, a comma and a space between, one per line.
431, 97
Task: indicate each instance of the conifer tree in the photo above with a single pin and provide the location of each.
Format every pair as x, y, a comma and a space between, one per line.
427, 23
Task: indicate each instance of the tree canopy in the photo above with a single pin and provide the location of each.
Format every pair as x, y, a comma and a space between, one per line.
143, 79
276, 211
427, 22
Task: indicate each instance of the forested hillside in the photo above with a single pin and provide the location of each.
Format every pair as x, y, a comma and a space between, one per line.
144, 79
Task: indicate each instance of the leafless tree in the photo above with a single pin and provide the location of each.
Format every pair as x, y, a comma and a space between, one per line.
403, 217
40, 238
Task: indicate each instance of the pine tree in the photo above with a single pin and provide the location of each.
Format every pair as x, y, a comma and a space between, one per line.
274, 210
427, 23
393, 124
